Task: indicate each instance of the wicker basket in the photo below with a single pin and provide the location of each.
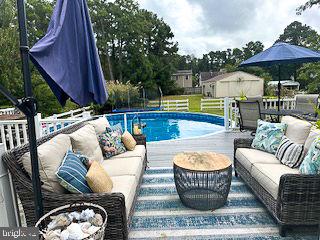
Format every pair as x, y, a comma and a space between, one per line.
45, 219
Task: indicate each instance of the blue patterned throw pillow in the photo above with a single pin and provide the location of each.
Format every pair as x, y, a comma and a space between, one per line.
311, 162
72, 174
268, 136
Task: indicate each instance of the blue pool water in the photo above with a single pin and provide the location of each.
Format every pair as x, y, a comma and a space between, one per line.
166, 126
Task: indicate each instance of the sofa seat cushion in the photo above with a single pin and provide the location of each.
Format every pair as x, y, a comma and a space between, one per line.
249, 156
50, 156
123, 166
268, 175
126, 185
139, 151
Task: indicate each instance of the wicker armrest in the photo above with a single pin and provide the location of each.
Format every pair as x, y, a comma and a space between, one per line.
299, 198
242, 143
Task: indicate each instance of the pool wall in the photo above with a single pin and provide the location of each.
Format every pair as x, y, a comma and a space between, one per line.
201, 117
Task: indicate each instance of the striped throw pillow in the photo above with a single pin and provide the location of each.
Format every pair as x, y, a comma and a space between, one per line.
289, 153
72, 174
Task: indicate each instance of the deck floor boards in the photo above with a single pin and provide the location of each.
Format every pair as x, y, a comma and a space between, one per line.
160, 154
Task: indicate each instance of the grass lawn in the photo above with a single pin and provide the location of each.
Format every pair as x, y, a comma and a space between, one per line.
194, 103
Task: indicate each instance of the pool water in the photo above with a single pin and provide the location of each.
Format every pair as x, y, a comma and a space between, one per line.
168, 126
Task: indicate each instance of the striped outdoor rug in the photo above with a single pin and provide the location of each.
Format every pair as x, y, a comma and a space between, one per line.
159, 214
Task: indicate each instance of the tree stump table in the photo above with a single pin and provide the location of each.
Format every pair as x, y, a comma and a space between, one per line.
202, 179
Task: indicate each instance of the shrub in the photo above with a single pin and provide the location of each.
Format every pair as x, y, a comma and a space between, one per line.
121, 95
176, 91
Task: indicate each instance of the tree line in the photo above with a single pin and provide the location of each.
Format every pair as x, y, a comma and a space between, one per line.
295, 33
137, 46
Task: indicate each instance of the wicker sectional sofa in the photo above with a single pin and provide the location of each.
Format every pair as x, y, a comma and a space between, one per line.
290, 197
125, 170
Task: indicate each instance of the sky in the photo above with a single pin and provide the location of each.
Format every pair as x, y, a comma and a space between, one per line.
201, 26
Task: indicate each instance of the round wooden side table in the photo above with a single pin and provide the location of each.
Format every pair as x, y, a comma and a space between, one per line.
202, 179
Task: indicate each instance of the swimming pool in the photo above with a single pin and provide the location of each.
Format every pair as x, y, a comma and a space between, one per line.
172, 125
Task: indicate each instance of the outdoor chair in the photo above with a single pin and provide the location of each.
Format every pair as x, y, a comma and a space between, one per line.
249, 114
307, 104
258, 98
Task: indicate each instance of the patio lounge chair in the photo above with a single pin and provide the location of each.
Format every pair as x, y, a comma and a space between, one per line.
119, 204
249, 114
307, 103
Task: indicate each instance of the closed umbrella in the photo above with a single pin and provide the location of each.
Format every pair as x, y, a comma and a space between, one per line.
67, 55
68, 60
280, 54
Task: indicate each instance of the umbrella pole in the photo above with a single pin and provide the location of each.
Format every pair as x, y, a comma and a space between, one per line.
28, 106
279, 90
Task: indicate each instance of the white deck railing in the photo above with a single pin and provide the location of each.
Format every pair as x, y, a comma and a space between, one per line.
77, 113
13, 133
211, 103
7, 111
233, 111
171, 105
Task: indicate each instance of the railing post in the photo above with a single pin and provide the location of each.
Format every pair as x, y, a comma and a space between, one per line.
125, 122
86, 115
188, 104
38, 126
8, 208
226, 113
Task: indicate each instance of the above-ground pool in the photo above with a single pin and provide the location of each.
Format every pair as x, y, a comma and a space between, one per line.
172, 125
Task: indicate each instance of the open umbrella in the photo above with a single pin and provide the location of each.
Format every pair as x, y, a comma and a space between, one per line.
280, 54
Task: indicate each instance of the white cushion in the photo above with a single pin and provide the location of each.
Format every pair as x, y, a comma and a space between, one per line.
314, 133
268, 175
297, 130
100, 125
86, 142
139, 151
248, 156
123, 166
50, 155
127, 186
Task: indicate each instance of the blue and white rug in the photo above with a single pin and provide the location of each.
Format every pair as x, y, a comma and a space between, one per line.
159, 214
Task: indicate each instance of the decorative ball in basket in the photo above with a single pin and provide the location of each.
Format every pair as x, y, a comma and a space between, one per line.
75, 221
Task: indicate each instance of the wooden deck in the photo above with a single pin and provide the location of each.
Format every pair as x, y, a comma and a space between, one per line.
160, 154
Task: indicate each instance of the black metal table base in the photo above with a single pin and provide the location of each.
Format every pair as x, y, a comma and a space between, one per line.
203, 190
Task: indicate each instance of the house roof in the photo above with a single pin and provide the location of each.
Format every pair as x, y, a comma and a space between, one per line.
204, 76
182, 72
284, 83
225, 75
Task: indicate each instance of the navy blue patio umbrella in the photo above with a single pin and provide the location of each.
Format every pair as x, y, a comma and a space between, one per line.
280, 54
67, 55
67, 58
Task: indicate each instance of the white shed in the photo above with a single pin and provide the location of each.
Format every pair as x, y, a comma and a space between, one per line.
234, 84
